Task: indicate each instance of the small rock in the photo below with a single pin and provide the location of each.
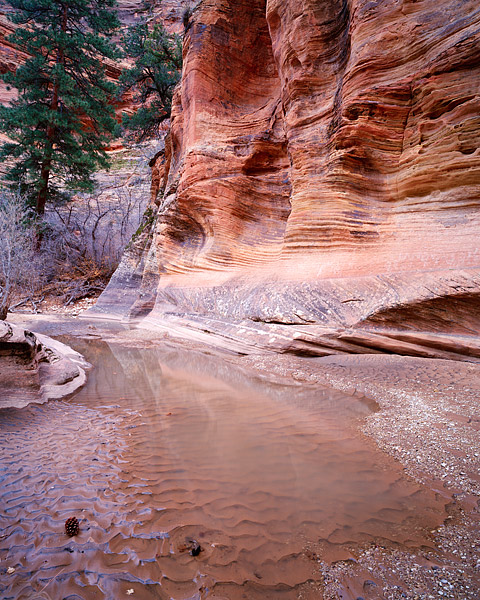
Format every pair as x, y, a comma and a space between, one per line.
368, 583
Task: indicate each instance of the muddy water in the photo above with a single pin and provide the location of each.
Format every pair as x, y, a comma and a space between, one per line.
165, 446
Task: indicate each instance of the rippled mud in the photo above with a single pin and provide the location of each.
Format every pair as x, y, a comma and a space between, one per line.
165, 447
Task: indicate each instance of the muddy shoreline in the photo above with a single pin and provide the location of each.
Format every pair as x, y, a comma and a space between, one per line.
429, 421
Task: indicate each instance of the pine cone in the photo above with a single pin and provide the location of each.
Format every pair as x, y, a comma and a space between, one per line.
194, 547
72, 526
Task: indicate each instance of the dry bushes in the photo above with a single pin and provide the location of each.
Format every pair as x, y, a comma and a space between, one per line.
87, 237
82, 242
20, 267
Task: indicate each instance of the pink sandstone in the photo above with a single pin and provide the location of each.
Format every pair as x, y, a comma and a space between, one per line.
323, 182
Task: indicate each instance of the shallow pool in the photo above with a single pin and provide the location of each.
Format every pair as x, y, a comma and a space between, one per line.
166, 449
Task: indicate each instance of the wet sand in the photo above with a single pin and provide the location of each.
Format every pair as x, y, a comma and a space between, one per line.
428, 423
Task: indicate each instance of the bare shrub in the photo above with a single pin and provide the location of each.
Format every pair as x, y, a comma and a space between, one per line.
98, 227
82, 240
21, 270
86, 238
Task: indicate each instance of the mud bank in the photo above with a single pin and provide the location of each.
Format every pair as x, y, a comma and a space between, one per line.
429, 421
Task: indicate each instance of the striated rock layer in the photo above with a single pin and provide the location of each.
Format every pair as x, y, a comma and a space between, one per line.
36, 368
323, 182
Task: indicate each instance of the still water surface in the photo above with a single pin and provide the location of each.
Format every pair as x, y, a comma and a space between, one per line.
164, 446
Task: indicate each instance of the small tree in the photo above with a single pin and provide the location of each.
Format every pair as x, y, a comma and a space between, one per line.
62, 120
153, 77
17, 257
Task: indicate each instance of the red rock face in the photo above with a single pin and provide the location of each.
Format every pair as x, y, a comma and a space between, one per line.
230, 166
378, 101
324, 173
341, 130
10, 57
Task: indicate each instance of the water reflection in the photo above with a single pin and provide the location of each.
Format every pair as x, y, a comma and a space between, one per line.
166, 445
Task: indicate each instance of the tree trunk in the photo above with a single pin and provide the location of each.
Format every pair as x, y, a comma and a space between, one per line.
44, 177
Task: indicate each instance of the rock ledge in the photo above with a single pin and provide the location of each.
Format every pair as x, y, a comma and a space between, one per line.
36, 368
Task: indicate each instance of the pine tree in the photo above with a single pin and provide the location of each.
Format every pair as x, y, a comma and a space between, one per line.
152, 78
62, 119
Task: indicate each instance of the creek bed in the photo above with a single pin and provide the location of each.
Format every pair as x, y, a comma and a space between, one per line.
165, 447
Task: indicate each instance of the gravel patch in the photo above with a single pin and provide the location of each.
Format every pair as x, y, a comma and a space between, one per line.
429, 420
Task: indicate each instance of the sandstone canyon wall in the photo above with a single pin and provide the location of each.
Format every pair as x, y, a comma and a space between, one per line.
322, 182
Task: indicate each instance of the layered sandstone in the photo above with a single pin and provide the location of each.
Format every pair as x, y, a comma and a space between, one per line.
170, 12
36, 368
323, 181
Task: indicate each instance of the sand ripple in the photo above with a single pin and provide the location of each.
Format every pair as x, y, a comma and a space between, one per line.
164, 446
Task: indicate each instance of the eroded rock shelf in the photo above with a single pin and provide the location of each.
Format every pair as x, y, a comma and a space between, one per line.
36, 368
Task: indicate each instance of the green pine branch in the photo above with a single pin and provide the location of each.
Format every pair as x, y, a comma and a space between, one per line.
152, 78
63, 116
